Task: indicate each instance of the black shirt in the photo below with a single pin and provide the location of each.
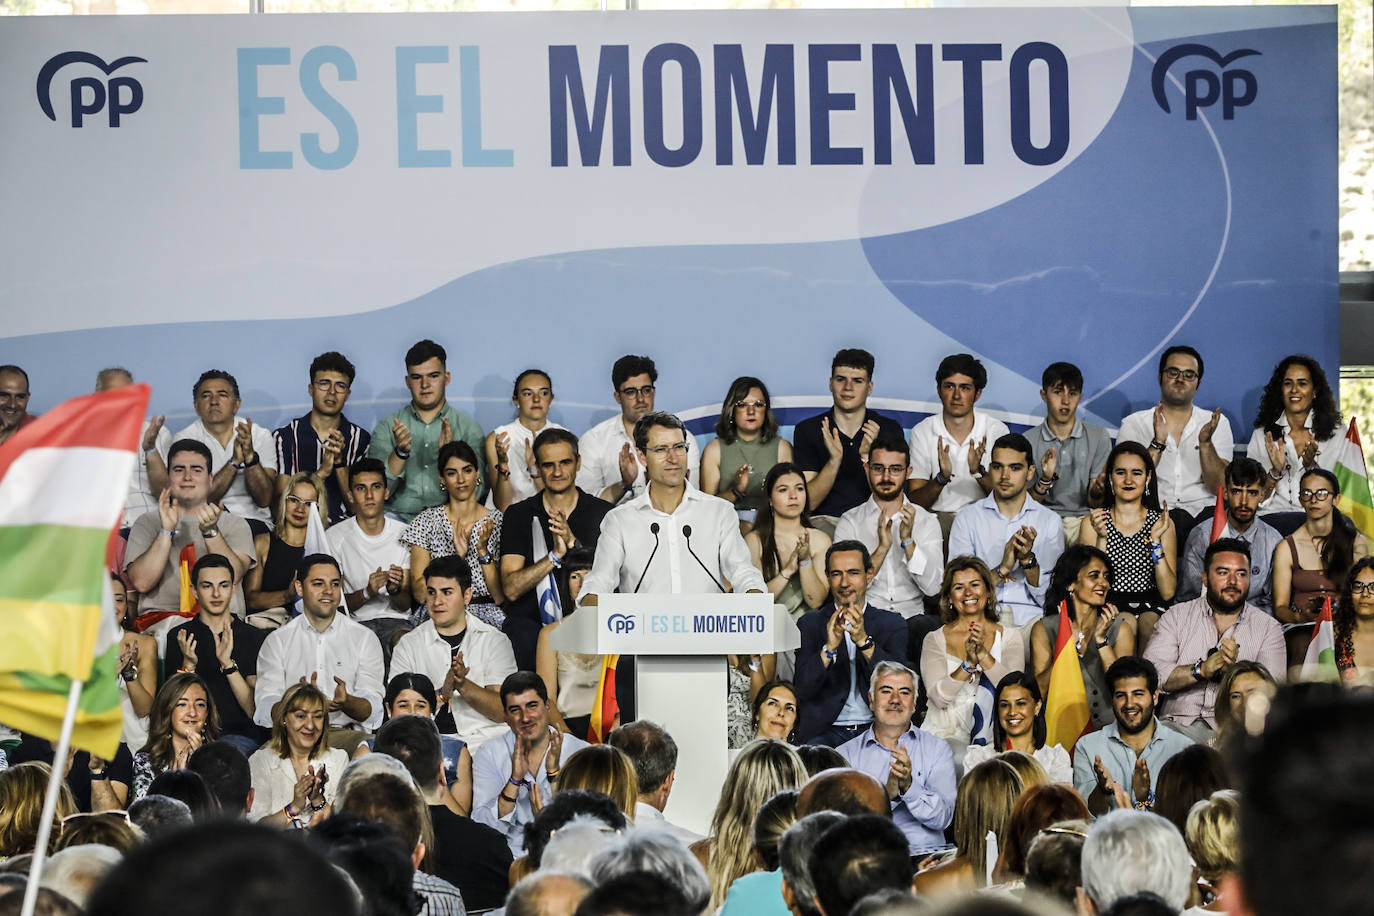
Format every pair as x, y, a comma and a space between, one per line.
120, 769
472, 857
248, 641
851, 483
517, 536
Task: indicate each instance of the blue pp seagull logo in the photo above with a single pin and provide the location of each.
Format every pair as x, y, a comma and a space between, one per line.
1167, 59
73, 57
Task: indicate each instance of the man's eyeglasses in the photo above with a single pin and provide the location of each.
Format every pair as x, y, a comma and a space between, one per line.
1188, 375
661, 451
642, 392
1314, 495
325, 384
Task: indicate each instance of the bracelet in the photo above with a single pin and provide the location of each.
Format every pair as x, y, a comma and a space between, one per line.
289, 813
1030, 562
907, 543
556, 560
184, 670
518, 783
831, 654
402, 453
1148, 803
102, 775
229, 670
804, 563
865, 645
170, 532
485, 559
1277, 476
551, 775
941, 478
505, 797
1156, 444
1156, 552
1197, 671
970, 670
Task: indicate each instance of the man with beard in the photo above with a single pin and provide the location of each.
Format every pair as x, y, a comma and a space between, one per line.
1117, 766
1195, 642
1243, 492
841, 643
324, 441
14, 401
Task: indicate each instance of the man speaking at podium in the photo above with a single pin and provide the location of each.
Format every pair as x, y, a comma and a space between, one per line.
672, 537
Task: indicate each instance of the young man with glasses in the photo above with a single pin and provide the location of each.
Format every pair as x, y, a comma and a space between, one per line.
611, 465
1189, 445
324, 441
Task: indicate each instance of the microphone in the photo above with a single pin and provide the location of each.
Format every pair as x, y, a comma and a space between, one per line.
653, 529
687, 533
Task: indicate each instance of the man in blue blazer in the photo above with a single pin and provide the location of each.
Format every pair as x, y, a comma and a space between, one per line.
840, 644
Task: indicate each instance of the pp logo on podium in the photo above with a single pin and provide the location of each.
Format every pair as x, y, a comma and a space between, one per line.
620, 623
1202, 88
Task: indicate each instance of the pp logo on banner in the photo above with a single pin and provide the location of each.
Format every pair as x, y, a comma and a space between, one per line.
122, 95
1233, 88
620, 623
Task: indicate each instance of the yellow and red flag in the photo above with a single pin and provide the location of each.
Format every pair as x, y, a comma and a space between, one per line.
1066, 708
605, 709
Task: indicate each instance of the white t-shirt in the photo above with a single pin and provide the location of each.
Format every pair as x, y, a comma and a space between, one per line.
521, 483
963, 488
237, 499
359, 554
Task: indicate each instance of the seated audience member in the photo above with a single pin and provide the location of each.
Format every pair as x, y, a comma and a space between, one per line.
775, 711
1130, 852
637, 893
798, 891
785, 546
292, 773
747, 674
76, 871
1137, 535
226, 771
509, 449
95, 783
1069, 451
572, 677
106, 828
461, 526
149, 476
564, 810
327, 649
413, 694
854, 858
569, 523
1036, 810
1081, 581
136, 684
747, 446
1027, 767
374, 563
14, 401
267, 588
1187, 778
1018, 724
1126, 756
377, 861
1246, 689
1188, 446
1311, 563
222, 650
903, 538
183, 718
1054, 864
962, 660
225, 869
760, 892
516, 772
843, 789
653, 852
763, 769
611, 466
463, 653
158, 815
22, 789
186, 786
818, 758
1353, 625
1195, 642
947, 448
1294, 432
243, 454
915, 768
653, 753
548, 894
1244, 483
471, 856
408, 441
605, 769
1212, 832
185, 527
987, 794
323, 442
890, 901
840, 644
831, 448
1013, 534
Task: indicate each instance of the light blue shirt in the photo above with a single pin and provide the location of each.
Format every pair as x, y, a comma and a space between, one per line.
926, 808
855, 710
756, 894
980, 530
1120, 759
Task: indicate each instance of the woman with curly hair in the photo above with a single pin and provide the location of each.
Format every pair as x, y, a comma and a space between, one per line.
183, 718
1298, 418
1353, 621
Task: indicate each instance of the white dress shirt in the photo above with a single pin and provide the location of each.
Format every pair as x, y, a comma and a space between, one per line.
346, 649
900, 582
486, 652
237, 499
600, 450
647, 815
963, 488
360, 554
1285, 495
274, 779
980, 530
1179, 470
626, 549
491, 775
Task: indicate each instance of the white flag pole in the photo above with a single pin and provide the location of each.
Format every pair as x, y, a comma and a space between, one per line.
55, 780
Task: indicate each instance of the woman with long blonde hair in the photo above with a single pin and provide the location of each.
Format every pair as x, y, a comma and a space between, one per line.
987, 793
267, 586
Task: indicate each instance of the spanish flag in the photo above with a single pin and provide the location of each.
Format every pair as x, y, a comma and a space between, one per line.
62, 485
605, 709
1066, 708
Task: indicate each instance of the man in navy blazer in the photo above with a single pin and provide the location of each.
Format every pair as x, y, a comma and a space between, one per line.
840, 644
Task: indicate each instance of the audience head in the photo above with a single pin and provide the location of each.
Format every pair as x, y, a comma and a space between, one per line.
773, 819
76, 871
104, 828
798, 891
382, 790
845, 790
1303, 378
188, 472
319, 583
1027, 768
532, 393
763, 768
216, 395
187, 786
848, 569
633, 379
1017, 709
851, 378
1065, 376
48, 902
1176, 363
572, 847
889, 901
855, 857
1054, 862
182, 707
1128, 852
983, 805
639, 893
427, 375
410, 693
602, 768
1134, 686
565, 805
1131, 476
1038, 808
817, 758
546, 893
1244, 489
367, 486
301, 721
459, 471
22, 788
776, 710
413, 740
299, 492
1212, 832
1082, 574
1186, 778
747, 409
962, 364
159, 815
374, 858
652, 751
570, 576
968, 584
1243, 697
1141, 904
656, 852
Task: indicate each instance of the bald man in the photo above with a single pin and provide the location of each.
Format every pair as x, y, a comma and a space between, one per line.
845, 790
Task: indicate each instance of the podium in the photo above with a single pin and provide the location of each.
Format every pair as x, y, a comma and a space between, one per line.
680, 643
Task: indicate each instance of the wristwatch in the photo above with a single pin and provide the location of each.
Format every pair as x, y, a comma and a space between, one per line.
1197, 671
